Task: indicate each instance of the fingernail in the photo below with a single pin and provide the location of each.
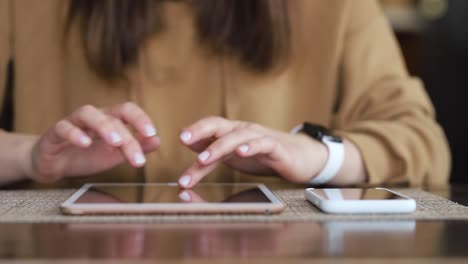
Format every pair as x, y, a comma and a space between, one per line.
244, 148
150, 131
84, 140
185, 180
204, 156
115, 137
185, 196
185, 136
139, 159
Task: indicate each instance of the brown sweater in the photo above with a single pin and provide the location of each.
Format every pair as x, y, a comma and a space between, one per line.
346, 72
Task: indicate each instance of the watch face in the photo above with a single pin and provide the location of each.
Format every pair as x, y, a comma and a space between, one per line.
316, 131
319, 132
333, 138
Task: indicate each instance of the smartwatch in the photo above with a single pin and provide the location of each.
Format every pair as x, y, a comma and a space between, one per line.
335, 150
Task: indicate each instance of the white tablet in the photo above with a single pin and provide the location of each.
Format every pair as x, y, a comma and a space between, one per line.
150, 198
360, 201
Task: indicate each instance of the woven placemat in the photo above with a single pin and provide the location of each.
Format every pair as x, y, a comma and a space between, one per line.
42, 206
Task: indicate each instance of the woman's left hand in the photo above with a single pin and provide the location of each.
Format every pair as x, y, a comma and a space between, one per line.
250, 148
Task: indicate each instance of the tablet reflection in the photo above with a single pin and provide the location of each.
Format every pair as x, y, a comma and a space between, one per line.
208, 240
179, 240
252, 195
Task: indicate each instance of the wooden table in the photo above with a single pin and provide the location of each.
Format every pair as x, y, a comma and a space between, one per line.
326, 242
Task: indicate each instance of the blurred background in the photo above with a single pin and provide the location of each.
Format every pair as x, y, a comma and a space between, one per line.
433, 35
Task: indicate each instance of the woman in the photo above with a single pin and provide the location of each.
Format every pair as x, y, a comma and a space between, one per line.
226, 80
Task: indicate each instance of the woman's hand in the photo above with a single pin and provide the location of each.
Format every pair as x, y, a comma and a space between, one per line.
250, 148
92, 140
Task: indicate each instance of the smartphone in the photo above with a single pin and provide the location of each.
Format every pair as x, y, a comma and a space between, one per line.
360, 201
154, 198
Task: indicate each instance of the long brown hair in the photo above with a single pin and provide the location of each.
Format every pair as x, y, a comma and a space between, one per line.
254, 31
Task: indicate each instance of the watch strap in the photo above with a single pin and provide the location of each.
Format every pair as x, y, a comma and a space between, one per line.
335, 148
333, 164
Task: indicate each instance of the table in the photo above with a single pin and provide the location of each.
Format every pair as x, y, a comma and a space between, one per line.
324, 242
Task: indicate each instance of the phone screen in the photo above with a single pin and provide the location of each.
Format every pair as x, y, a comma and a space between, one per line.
202, 193
356, 194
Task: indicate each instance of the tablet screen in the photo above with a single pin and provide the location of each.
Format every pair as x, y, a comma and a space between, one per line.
144, 193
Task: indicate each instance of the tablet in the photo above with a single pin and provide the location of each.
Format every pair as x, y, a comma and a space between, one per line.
154, 198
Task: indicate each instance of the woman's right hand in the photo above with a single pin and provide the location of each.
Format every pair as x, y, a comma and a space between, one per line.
93, 140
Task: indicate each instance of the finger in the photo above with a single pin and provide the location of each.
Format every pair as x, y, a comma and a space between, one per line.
149, 145
90, 117
264, 145
132, 114
189, 196
201, 145
206, 128
226, 145
130, 147
65, 130
195, 174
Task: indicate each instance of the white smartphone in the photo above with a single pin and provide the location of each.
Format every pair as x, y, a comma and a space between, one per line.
150, 198
360, 201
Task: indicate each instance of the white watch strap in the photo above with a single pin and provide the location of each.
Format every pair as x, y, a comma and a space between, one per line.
334, 162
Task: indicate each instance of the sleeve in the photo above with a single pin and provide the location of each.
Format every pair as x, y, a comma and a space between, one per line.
386, 113
4, 47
